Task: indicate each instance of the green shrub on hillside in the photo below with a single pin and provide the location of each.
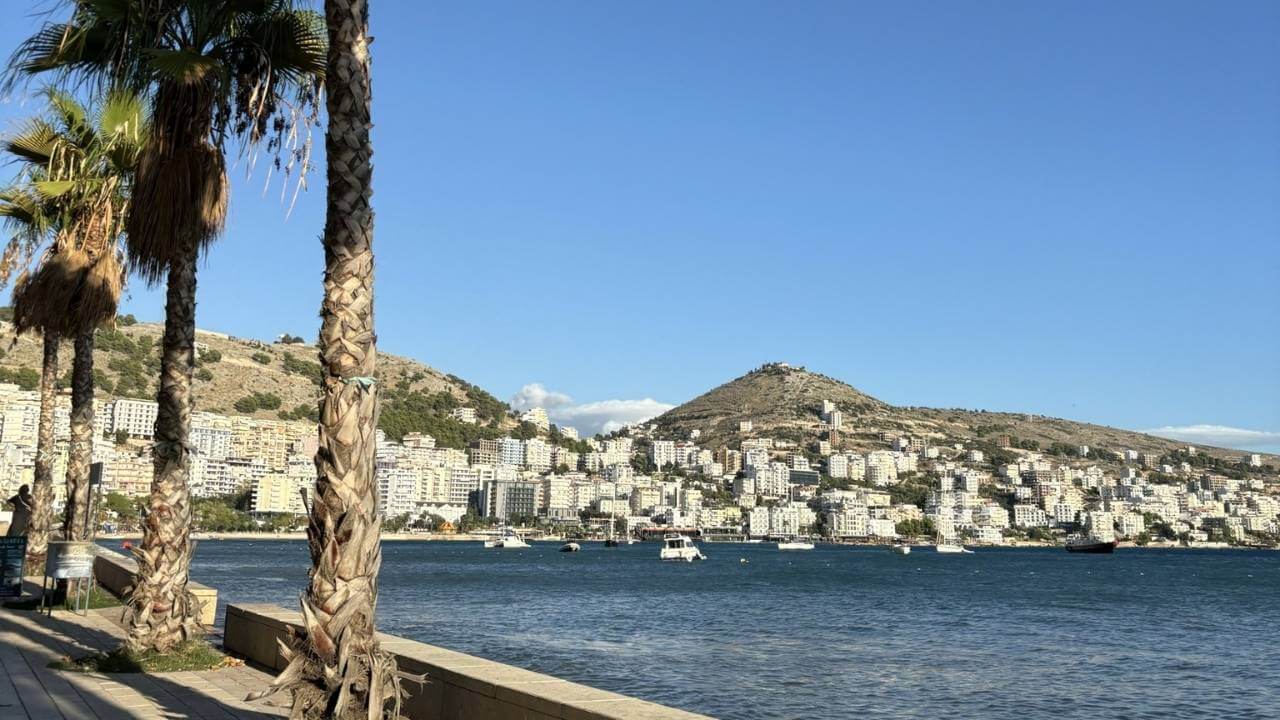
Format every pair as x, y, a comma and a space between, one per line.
258, 401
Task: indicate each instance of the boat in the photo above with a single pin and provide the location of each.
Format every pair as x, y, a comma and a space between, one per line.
1085, 544
901, 549
506, 540
570, 547
678, 548
795, 543
948, 548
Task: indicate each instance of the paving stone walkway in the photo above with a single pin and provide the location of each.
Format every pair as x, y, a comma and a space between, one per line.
30, 690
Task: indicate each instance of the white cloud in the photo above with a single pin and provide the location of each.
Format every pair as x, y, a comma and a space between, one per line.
589, 418
1222, 436
535, 395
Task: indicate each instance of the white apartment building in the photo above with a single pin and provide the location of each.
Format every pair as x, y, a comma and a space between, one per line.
537, 455
662, 453
510, 451
464, 414
537, 416
278, 493
135, 417
838, 466
1029, 516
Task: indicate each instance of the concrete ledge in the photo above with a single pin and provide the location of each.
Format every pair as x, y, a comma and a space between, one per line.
116, 573
459, 686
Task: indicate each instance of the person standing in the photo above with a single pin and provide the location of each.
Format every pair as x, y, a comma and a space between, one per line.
22, 504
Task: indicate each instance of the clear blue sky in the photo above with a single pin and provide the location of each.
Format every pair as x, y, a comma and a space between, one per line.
1065, 208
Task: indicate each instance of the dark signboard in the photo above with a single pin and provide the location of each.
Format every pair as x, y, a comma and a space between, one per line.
13, 552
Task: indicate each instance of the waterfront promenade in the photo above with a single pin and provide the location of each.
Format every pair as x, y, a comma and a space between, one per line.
30, 690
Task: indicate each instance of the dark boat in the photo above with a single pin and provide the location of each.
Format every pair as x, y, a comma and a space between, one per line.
611, 543
1091, 545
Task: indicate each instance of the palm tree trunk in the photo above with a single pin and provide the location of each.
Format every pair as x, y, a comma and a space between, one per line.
162, 610
76, 524
42, 483
336, 667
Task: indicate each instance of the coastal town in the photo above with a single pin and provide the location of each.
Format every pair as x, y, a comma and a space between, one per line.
636, 481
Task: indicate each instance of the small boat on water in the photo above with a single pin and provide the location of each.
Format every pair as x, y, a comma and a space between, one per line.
949, 549
1096, 546
795, 543
506, 540
570, 547
678, 548
901, 549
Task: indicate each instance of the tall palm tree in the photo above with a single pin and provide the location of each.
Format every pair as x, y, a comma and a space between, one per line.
217, 71
337, 668
73, 191
26, 216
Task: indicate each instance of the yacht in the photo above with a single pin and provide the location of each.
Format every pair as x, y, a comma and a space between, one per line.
795, 543
901, 549
506, 540
679, 548
1092, 545
570, 547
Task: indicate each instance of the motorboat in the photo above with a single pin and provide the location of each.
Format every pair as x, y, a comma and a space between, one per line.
950, 549
677, 548
507, 540
795, 543
901, 549
570, 547
1091, 545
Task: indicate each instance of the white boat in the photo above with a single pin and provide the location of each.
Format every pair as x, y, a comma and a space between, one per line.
901, 549
570, 547
952, 549
507, 540
678, 548
795, 544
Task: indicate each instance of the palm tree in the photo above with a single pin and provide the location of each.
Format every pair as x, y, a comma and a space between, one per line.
337, 669
217, 70
26, 215
72, 192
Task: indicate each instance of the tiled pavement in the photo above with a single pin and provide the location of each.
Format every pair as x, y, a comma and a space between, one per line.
29, 690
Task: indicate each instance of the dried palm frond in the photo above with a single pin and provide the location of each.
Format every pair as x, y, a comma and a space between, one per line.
179, 201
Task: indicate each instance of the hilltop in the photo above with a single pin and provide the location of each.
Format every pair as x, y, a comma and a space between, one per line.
785, 402
276, 380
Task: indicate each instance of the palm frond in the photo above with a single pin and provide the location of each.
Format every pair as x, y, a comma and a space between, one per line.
34, 142
183, 66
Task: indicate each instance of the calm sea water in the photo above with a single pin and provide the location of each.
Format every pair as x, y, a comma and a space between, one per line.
839, 632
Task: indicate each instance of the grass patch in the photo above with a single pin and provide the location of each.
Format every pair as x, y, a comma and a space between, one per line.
192, 655
98, 599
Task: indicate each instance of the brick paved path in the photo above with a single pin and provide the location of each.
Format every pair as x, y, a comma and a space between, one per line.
29, 690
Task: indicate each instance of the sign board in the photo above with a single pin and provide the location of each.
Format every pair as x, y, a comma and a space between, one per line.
70, 560
13, 553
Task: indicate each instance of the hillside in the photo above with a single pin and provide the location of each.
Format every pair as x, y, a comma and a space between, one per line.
786, 402
237, 376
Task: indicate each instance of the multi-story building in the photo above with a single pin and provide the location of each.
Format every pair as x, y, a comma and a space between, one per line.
278, 493
464, 414
504, 499
537, 416
137, 418
662, 453
510, 451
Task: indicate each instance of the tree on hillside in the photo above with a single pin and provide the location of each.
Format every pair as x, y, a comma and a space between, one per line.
216, 71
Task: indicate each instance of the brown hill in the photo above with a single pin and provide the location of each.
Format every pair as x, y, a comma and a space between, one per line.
786, 402
238, 376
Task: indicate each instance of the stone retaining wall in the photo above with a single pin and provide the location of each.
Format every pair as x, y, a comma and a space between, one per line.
116, 573
458, 686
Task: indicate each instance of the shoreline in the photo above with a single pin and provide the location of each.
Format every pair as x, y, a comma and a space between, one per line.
471, 537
